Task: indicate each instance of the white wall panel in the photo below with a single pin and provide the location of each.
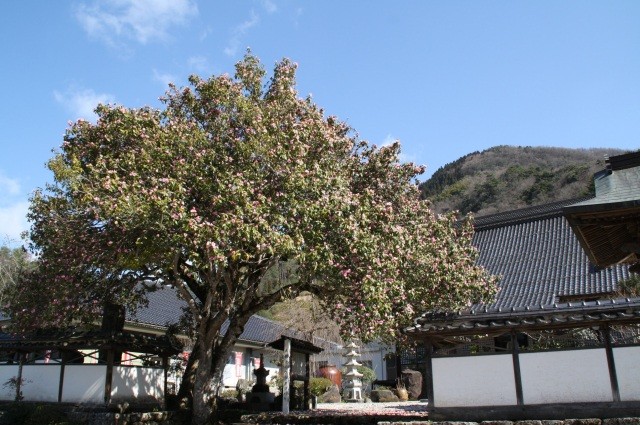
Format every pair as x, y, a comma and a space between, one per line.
565, 376
627, 360
474, 381
138, 383
41, 382
84, 383
7, 372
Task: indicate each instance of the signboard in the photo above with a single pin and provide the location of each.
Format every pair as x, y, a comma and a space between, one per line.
238, 364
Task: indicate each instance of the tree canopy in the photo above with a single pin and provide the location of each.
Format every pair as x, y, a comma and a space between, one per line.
231, 181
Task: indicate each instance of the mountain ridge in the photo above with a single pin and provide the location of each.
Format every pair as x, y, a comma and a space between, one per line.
504, 178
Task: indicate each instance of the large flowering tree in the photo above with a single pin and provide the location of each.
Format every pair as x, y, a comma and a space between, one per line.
233, 178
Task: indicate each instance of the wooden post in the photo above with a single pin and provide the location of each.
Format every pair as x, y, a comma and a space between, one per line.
613, 375
63, 363
287, 376
515, 354
109, 378
428, 384
165, 366
19, 378
307, 371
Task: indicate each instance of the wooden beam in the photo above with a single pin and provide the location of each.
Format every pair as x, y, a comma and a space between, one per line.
109, 377
613, 376
287, 376
22, 359
307, 371
165, 367
63, 363
429, 372
515, 354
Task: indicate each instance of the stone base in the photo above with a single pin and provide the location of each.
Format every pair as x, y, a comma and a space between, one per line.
261, 402
383, 396
353, 395
332, 395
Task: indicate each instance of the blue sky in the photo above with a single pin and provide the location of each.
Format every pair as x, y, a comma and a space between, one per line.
446, 78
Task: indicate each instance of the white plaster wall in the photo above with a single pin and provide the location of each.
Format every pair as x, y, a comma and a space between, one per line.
474, 381
229, 375
230, 378
333, 358
41, 382
84, 383
7, 372
137, 382
565, 376
627, 360
374, 352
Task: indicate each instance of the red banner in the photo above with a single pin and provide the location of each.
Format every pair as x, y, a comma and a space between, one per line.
238, 364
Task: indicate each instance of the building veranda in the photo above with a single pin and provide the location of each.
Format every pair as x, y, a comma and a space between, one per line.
91, 367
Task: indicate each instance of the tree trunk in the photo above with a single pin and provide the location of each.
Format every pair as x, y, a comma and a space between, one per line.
202, 406
211, 351
185, 394
113, 318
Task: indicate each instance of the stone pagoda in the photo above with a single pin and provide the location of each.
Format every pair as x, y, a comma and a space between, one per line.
260, 398
352, 382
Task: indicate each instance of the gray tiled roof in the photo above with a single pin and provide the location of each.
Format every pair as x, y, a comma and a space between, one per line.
523, 215
263, 331
165, 308
539, 258
591, 313
619, 184
619, 188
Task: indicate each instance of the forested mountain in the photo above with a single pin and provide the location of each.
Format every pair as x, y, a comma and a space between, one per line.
509, 177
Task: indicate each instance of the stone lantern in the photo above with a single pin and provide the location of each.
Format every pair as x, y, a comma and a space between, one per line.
260, 398
352, 382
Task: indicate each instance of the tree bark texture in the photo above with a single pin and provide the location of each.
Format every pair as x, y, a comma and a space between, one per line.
203, 379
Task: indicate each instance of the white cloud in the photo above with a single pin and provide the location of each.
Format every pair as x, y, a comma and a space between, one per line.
82, 102
239, 32
403, 157
389, 140
114, 21
199, 64
13, 220
9, 186
13, 211
269, 6
204, 34
163, 77
298, 14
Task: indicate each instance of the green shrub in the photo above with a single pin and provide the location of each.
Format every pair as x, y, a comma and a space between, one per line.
31, 414
229, 393
368, 375
318, 386
48, 415
16, 413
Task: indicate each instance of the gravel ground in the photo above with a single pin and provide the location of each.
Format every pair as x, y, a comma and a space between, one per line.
402, 408
345, 414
